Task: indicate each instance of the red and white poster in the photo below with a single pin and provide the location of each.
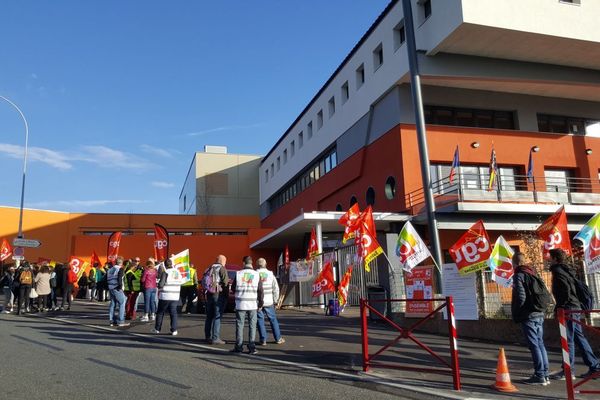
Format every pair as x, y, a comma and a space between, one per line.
114, 241
472, 250
554, 233
419, 285
324, 282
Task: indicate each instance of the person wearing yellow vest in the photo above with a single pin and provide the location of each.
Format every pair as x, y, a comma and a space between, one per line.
92, 282
189, 291
248, 300
271, 294
133, 278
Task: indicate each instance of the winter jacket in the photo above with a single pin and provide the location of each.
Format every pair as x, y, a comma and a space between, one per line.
521, 304
42, 283
149, 278
563, 287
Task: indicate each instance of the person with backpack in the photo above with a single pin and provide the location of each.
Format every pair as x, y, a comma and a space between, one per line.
565, 289
215, 284
530, 300
24, 281
68, 283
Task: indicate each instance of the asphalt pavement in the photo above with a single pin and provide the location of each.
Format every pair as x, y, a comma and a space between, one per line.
76, 354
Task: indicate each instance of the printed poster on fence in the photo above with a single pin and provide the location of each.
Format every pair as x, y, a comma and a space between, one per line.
419, 285
463, 290
301, 271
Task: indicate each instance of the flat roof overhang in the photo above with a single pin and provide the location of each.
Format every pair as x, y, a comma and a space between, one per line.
295, 229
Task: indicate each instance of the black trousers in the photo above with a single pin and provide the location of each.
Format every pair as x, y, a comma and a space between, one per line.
188, 294
24, 291
67, 295
163, 306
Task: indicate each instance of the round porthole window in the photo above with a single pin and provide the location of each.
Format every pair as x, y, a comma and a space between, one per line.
370, 197
339, 207
353, 201
390, 188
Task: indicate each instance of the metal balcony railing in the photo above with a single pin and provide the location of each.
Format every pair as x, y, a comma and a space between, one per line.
509, 189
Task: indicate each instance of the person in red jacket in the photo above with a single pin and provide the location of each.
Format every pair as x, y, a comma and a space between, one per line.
69, 280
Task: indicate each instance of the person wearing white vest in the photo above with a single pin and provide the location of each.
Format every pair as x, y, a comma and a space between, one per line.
271, 294
248, 299
169, 284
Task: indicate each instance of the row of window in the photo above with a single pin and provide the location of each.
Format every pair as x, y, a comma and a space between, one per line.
312, 174
573, 125
399, 35
389, 190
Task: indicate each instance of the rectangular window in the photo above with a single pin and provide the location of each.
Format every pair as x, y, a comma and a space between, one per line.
266, 175
331, 106
427, 8
285, 156
345, 92
557, 180
300, 140
319, 119
507, 179
309, 129
572, 125
360, 76
292, 148
453, 116
399, 35
377, 57
272, 169
278, 163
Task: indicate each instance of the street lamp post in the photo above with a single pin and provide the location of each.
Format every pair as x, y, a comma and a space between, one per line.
20, 234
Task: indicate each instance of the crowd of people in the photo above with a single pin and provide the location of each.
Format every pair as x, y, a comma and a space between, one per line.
36, 288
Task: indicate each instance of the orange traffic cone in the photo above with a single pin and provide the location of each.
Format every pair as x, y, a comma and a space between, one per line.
502, 376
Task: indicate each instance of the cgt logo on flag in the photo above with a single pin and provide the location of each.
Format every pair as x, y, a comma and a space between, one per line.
472, 250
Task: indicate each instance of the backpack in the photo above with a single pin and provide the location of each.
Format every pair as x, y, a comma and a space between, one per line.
26, 277
71, 276
541, 299
584, 294
211, 280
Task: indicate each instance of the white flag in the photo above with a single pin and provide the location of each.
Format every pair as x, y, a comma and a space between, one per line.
500, 262
410, 247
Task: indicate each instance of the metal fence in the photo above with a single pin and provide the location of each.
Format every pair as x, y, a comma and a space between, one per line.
341, 258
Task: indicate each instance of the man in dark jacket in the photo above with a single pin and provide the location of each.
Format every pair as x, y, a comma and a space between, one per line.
215, 302
565, 294
531, 320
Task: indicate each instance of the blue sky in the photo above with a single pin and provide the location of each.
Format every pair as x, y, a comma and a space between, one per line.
119, 94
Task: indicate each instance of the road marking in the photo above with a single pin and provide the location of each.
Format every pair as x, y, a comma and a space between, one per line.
308, 367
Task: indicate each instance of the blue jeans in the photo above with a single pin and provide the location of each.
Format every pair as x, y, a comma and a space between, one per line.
214, 311
534, 333
117, 297
150, 301
163, 306
575, 336
269, 313
240, 318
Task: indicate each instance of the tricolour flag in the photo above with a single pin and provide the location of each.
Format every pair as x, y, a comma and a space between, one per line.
410, 247
554, 233
590, 237
344, 287
368, 246
324, 282
114, 241
500, 263
5, 250
350, 221
313, 246
455, 165
161, 243
181, 262
493, 182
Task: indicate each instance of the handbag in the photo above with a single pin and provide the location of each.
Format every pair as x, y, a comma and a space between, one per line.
33, 294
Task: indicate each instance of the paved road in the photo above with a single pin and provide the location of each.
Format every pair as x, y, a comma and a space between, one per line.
49, 359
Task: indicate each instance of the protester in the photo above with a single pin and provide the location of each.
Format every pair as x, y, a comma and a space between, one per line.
189, 290
42, 287
114, 278
248, 299
149, 278
81, 289
133, 277
271, 292
91, 295
24, 281
101, 282
170, 287
69, 279
6, 283
53, 290
215, 284
528, 309
565, 293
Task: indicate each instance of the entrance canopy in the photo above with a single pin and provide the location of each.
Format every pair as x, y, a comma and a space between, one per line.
294, 231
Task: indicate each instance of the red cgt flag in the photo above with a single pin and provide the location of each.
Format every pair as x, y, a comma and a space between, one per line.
554, 233
366, 238
94, 259
350, 220
161, 242
324, 282
114, 242
313, 247
5, 250
286, 257
344, 287
472, 251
